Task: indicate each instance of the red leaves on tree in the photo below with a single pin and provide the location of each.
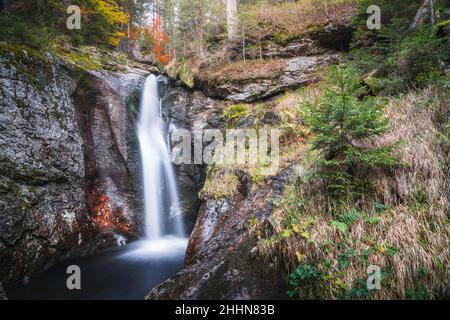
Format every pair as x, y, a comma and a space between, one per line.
160, 42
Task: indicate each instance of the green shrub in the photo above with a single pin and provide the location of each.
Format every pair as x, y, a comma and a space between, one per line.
420, 56
304, 278
339, 120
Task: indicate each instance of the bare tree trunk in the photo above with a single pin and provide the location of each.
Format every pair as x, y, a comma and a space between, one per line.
433, 18
326, 10
202, 55
243, 41
260, 50
232, 20
40, 5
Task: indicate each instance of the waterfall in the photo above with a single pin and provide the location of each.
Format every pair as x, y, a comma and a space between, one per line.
161, 200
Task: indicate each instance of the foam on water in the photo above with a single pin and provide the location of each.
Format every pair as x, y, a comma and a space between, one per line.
162, 248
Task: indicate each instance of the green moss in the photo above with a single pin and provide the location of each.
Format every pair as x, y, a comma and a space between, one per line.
235, 111
84, 61
282, 38
251, 223
181, 70
219, 184
28, 62
20, 52
440, 27
33, 190
5, 186
57, 114
257, 177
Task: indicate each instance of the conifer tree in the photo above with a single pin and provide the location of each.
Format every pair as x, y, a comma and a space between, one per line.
341, 120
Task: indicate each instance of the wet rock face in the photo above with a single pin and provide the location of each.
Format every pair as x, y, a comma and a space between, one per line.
210, 215
190, 110
296, 72
111, 157
42, 199
222, 259
2, 293
133, 51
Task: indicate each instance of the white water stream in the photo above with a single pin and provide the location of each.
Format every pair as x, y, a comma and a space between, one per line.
161, 200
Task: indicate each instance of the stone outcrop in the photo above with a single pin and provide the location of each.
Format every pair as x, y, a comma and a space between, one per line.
334, 36
295, 72
299, 58
271, 49
133, 51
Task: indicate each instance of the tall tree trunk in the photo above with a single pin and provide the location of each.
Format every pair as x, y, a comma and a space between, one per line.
433, 17
202, 55
232, 19
243, 41
260, 50
200, 34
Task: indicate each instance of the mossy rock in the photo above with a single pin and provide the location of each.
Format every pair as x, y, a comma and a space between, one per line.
442, 28
28, 62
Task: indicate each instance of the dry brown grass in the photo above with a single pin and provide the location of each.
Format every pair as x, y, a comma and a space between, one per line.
240, 70
413, 121
295, 18
416, 224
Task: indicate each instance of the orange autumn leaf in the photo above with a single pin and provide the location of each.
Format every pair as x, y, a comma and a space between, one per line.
164, 59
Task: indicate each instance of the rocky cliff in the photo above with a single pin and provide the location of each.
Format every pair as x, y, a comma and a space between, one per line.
67, 159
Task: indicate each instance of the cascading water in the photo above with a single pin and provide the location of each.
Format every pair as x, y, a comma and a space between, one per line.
130, 271
161, 201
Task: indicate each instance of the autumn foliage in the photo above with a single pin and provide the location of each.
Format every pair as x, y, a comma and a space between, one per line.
160, 42
155, 40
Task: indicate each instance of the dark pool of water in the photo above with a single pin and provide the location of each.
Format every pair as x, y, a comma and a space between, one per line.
129, 273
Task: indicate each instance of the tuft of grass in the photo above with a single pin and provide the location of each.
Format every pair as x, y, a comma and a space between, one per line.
235, 111
220, 183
